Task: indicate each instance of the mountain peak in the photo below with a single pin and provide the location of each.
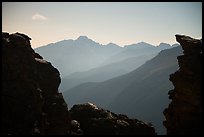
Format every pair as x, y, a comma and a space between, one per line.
82, 38
140, 45
85, 40
164, 44
112, 44
142, 42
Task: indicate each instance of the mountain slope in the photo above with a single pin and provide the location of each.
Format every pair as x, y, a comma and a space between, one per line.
137, 84
148, 92
130, 58
103, 73
136, 50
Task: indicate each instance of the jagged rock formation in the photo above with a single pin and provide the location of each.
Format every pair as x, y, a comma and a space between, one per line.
31, 103
97, 121
184, 113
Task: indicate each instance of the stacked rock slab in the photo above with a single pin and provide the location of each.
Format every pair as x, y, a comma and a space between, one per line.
184, 113
31, 103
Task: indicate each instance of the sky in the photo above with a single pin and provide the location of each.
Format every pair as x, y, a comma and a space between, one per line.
122, 23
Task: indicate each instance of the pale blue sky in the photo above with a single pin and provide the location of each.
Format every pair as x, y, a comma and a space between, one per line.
122, 23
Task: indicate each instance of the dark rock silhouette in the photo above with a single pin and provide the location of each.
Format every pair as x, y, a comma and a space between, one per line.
31, 103
184, 113
95, 120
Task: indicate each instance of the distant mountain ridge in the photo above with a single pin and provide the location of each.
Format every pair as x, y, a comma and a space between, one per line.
81, 50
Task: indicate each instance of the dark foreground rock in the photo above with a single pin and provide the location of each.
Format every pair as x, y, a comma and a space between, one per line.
95, 120
31, 103
184, 113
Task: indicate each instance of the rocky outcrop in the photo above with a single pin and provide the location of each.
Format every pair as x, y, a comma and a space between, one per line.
97, 121
184, 113
31, 103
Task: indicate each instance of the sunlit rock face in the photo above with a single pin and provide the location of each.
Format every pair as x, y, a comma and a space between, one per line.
98, 121
184, 113
31, 103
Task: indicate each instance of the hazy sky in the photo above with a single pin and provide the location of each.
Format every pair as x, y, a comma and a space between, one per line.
122, 23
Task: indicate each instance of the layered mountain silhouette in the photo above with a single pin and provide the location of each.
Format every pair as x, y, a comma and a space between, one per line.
102, 73
83, 60
144, 89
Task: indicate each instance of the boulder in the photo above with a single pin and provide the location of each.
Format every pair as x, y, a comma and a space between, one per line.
98, 121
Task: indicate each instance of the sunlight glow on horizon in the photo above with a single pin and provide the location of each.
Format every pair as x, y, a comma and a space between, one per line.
122, 23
